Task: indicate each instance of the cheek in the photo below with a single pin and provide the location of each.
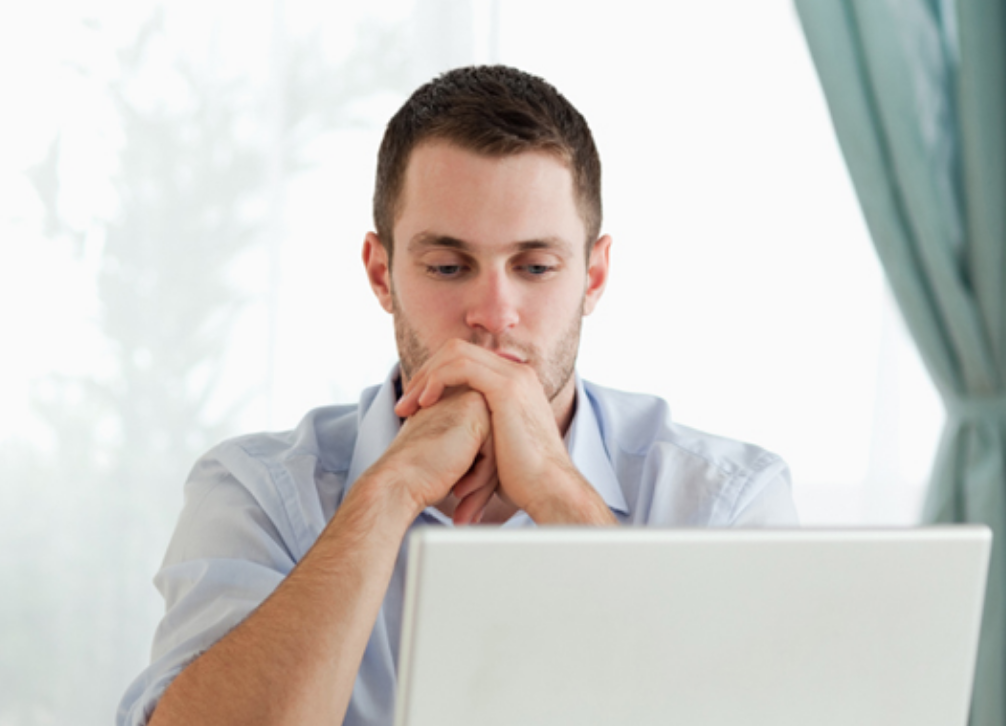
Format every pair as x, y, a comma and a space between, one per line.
436, 305
557, 304
430, 309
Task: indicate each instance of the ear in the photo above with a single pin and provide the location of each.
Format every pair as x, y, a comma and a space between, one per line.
375, 260
597, 273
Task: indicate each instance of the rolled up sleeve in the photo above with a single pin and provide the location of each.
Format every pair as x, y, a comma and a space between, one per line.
226, 556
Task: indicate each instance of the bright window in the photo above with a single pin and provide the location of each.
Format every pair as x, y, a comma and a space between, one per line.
181, 263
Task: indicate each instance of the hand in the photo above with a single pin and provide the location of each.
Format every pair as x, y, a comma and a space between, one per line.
534, 469
476, 489
443, 448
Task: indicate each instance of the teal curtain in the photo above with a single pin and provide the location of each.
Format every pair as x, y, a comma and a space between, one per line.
917, 94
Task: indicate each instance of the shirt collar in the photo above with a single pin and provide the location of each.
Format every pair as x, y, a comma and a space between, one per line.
588, 453
379, 424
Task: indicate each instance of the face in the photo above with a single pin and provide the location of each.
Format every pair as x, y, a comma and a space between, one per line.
490, 250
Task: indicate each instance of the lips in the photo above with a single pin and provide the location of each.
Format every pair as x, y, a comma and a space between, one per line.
508, 356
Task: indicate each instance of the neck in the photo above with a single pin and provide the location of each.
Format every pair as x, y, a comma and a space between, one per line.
564, 405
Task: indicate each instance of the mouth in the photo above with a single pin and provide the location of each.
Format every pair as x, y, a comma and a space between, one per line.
508, 356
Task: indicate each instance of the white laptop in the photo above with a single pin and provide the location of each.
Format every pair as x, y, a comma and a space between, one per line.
632, 626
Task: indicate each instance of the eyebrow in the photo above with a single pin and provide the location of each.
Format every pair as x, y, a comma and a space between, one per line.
426, 240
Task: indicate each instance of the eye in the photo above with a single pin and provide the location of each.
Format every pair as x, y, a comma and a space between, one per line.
444, 270
538, 270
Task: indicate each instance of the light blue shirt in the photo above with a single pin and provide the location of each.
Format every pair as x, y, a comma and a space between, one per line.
255, 505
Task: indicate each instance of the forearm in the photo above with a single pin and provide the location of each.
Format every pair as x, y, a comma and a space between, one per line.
294, 660
567, 498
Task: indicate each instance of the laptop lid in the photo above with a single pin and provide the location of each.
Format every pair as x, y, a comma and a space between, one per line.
691, 627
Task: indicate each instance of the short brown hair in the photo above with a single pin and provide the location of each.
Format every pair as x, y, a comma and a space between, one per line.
492, 110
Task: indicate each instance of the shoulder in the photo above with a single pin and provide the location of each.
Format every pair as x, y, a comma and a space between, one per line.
680, 475
326, 434
636, 423
285, 483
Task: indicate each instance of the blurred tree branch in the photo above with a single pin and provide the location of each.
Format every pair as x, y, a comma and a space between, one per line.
192, 187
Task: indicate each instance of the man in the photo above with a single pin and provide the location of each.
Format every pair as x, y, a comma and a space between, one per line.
284, 580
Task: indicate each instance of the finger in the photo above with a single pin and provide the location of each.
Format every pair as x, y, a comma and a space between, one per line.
429, 387
407, 405
470, 508
472, 482
417, 380
431, 392
483, 472
417, 376
423, 392
457, 363
477, 489
459, 372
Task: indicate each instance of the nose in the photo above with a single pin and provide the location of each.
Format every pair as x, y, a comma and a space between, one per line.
492, 306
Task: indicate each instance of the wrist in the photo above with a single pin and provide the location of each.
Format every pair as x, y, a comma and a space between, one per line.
568, 498
386, 489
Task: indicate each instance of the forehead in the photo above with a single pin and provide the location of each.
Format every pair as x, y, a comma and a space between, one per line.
452, 192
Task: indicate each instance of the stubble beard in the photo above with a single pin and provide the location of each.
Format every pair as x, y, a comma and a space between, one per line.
555, 369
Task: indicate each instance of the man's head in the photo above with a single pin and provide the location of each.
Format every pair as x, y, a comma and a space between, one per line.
491, 244
494, 111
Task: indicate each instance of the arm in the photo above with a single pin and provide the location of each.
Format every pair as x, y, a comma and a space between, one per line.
294, 660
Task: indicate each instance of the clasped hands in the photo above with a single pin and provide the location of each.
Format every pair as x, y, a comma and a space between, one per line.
480, 424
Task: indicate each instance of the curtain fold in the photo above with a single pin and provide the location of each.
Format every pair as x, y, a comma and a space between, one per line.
917, 95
